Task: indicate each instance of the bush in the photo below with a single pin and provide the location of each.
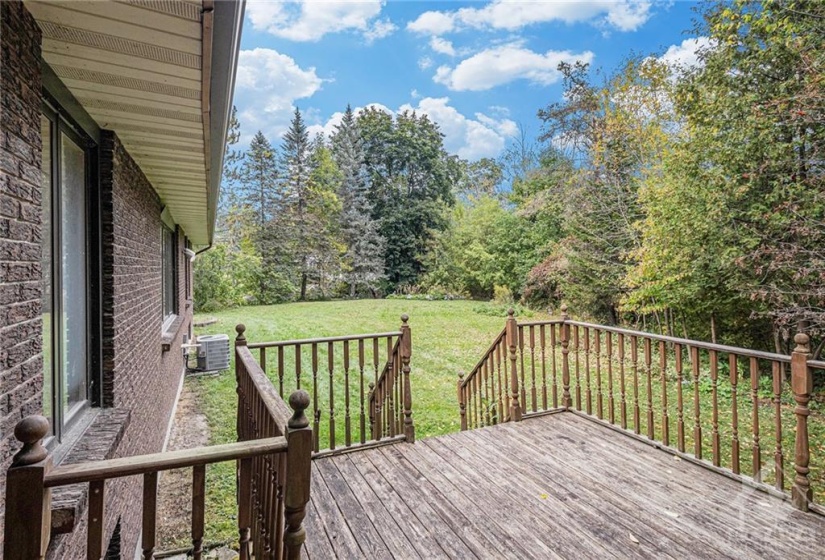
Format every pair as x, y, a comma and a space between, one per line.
542, 289
500, 310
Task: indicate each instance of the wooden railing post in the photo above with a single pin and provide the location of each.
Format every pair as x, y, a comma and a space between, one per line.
28, 502
298, 471
512, 342
566, 400
406, 354
240, 340
802, 386
462, 406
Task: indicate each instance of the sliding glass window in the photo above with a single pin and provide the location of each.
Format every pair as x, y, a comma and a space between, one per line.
66, 250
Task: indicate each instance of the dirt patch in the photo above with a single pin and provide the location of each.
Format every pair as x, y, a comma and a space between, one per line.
190, 429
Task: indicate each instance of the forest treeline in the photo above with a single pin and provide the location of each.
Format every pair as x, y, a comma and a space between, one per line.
687, 200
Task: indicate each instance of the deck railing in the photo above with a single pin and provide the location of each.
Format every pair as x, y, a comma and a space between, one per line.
742, 412
273, 467
359, 385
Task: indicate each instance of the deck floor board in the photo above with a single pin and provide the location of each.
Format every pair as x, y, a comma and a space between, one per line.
557, 486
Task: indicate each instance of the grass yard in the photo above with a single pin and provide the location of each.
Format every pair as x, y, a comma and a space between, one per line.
449, 337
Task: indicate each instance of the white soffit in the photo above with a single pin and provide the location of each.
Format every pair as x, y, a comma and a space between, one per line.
136, 67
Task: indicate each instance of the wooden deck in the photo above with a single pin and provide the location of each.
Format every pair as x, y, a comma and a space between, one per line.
557, 486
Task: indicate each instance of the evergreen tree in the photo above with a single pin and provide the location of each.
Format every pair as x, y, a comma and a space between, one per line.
363, 263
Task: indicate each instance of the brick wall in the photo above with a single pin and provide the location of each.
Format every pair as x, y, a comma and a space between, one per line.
20, 327
137, 374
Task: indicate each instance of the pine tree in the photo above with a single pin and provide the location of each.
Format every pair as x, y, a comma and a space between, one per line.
257, 177
296, 168
364, 254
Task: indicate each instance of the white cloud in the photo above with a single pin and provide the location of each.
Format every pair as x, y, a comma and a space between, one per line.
442, 46
425, 62
471, 139
685, 55
380, 29
309, 20
268, 83
504, 64
624, 15
433, 23
414, 94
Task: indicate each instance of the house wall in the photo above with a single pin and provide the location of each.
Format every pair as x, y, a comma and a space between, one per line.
21, 364
138, 375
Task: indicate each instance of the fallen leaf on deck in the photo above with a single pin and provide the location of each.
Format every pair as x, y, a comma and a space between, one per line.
633, 538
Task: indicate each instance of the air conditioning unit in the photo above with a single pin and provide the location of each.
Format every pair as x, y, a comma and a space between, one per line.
213, 352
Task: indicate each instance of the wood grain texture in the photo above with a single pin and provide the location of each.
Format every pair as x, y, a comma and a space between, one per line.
556, 486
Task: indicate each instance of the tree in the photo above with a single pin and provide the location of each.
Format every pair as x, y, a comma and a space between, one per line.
613, 131
410, 183
363, 262
756, 121
295, 171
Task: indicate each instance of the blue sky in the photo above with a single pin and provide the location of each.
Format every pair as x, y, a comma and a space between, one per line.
480, 69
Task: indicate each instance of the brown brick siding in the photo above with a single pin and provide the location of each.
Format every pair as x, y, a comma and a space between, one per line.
20, 95
138, 376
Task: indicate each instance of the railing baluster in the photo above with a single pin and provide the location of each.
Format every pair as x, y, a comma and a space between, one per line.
637, 411
622, 384
388, 417
485, 398
597, 339
553, 362
714, 383
734, 384
298, 366
347, 420
697, 424
663, 373
522, 370
576, 353
611, 416
505, 386
316, 411
533, 392
375, 413
461, 406
588, 390
651, 431
362, 418
150, 514
542, 342
281, 371
263, 359
198, 509
502, 389
96, 516
778, 456
680, 403
331, 368
566, 401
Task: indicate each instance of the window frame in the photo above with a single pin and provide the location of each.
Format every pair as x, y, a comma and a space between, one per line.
62, 124
168, 318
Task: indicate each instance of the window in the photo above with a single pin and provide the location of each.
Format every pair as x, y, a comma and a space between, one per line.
170, 283
66, 184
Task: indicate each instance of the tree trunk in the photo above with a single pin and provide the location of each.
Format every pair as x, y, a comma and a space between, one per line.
713, 328
303, 286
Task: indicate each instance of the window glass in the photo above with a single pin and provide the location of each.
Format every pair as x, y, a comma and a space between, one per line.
46, 266
73, 330
168, 259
